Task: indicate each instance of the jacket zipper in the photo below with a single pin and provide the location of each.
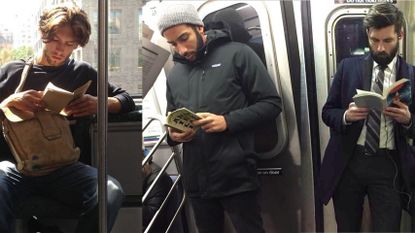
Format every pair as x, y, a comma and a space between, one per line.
201, 95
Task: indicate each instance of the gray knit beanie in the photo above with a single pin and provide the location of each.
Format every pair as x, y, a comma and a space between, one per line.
173, 15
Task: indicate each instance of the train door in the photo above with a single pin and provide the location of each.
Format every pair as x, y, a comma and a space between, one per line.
335, 31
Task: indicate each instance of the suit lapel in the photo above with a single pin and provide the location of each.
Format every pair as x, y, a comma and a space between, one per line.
367, 67
401, 72
402, 69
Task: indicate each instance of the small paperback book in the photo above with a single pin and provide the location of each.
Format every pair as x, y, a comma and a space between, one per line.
400, 90
56, 98
181, 119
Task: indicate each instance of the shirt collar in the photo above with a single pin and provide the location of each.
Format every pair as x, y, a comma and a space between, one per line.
391, 64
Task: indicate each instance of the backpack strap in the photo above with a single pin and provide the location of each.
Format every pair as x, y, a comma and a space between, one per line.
12, 113
26, 69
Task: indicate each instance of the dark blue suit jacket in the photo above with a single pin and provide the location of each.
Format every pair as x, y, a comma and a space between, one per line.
355, 73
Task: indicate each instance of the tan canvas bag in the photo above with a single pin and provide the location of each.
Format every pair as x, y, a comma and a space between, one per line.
40, 142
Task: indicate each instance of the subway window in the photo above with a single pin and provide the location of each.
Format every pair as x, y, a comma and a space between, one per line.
114, 62
19, 38
350, 38
115, 22
122, 61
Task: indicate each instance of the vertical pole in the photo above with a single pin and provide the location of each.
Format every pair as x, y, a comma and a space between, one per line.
102, 113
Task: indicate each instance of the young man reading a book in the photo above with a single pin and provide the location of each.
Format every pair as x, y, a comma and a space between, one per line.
227, 85
62, 29
367, 153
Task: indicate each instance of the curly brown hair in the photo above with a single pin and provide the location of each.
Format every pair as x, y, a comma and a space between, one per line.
59, 16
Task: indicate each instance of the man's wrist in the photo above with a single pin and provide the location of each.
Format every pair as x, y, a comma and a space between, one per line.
345, 122
407, 126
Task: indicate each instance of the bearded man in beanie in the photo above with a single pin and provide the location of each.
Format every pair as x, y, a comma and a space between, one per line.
227, 85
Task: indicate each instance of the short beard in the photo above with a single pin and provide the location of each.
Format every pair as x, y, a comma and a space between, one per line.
383, 58
50, 60
198, 38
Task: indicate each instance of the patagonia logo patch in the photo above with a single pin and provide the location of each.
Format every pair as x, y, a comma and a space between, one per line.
216, 65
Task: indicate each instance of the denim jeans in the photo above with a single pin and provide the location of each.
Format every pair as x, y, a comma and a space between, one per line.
75, 185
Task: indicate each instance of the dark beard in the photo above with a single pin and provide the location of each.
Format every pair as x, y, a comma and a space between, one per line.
200, 50
201, 47
383, 58
198, 38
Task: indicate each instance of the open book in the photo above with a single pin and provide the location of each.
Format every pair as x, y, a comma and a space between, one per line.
400, 90
181, 119
56, 98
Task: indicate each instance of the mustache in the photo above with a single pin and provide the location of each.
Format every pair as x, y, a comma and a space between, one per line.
381, 54
188, 53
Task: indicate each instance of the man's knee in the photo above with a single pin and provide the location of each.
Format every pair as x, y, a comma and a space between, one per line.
6, 167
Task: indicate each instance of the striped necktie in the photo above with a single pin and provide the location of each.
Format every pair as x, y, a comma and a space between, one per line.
373, 119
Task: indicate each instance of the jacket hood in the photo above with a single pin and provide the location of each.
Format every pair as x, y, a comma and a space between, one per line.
214, 38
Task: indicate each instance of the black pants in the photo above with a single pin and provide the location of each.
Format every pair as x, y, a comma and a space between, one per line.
375, 176
243, 210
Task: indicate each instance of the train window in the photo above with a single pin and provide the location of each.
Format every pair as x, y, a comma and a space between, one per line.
123, 44
350, 38
346, 36
114, 59
242, 23
115, 22
19, 38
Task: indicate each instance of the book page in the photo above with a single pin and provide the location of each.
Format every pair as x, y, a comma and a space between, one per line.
369, 99
56, 98
365, 93
80, 91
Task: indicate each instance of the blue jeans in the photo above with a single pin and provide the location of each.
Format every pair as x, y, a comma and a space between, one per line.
74, 185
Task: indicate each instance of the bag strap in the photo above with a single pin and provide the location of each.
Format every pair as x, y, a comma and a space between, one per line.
26, 69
